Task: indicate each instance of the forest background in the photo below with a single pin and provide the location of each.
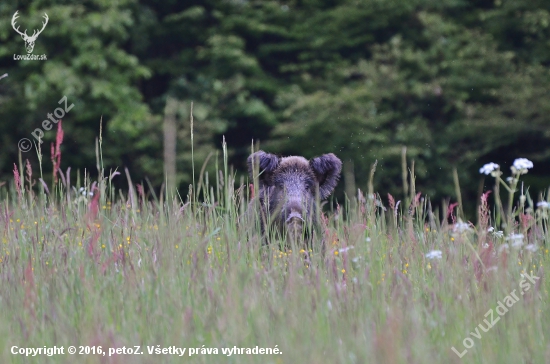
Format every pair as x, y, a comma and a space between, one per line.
459, 83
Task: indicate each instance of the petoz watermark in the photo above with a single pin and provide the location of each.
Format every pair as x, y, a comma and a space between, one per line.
29, 40
25, 144
501, 309
138, 350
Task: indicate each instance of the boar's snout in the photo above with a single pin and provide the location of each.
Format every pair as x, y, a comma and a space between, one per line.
294, 216
293, 212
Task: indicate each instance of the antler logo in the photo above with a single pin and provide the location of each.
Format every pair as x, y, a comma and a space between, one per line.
29, 41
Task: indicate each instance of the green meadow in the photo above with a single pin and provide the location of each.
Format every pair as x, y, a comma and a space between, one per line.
86, 265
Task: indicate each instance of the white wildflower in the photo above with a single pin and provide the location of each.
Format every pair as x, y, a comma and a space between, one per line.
516, 239
532, 248
488, 168
461, 227
367, 239
521, 165
83, 192
497, 234
434, 254
543, 204
344, 250
503, 247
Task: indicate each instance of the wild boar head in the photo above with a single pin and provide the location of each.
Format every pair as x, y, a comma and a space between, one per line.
289, 188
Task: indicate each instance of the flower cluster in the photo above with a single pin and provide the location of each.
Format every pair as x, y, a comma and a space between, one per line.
461, 227
516, 240
488, 168
434, 254
83, 192
496, 234
520, 166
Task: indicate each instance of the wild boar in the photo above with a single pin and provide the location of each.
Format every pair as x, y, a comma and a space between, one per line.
289, 192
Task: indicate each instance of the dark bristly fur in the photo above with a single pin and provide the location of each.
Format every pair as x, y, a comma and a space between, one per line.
287, 191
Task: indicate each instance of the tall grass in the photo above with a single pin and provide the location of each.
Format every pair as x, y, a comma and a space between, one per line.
123, 268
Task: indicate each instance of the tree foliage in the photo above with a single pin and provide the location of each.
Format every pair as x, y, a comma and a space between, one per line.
458, 82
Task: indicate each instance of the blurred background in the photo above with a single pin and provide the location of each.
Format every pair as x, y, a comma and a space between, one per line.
459, 83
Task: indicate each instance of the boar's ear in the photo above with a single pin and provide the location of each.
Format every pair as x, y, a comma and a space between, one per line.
263, 164
327, 170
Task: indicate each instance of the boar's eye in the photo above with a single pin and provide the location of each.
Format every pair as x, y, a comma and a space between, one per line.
309, 186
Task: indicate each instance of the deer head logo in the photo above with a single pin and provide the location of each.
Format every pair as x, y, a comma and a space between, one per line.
29, 40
